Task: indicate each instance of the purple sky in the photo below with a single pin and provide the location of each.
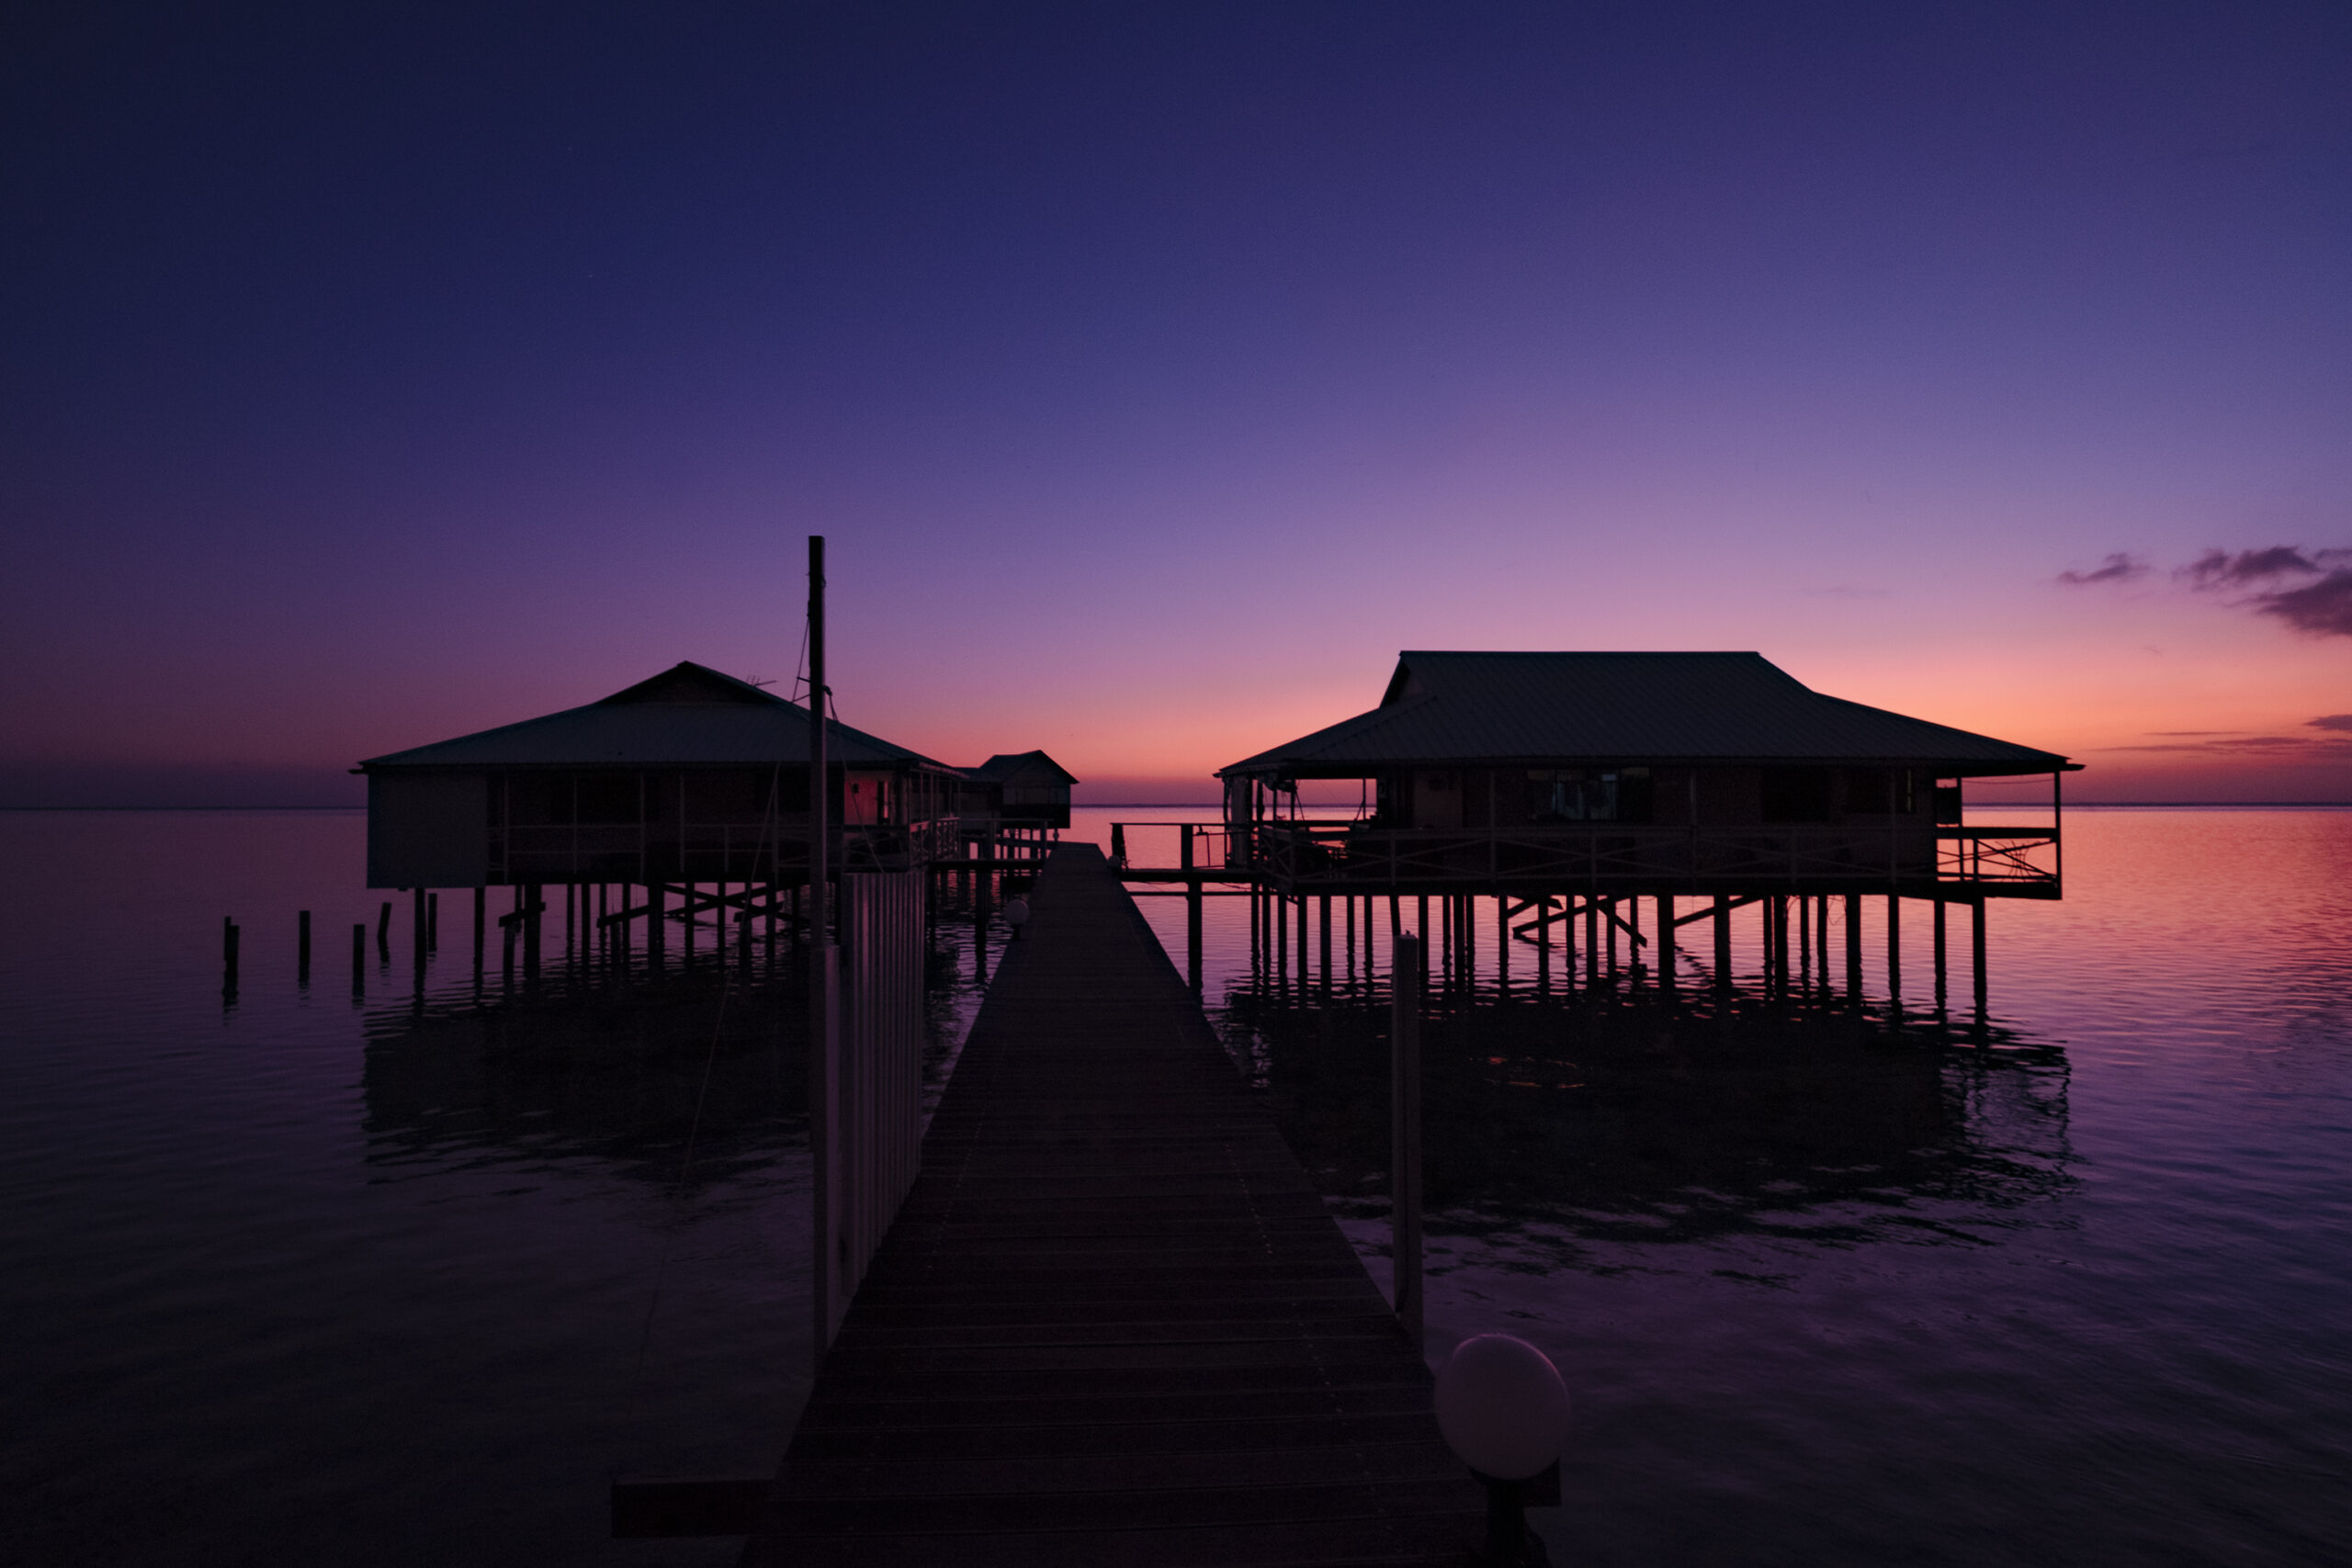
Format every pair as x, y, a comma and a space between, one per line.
1157, 372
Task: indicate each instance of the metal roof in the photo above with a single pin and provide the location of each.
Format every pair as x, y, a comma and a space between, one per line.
1005, 764
1459, 708
689, 716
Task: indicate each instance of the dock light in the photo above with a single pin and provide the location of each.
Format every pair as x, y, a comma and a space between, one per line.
1016, 915
1503, 1409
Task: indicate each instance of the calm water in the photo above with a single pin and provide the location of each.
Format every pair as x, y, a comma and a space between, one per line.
312, 1279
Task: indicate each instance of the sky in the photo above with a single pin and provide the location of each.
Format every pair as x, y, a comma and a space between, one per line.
374, 375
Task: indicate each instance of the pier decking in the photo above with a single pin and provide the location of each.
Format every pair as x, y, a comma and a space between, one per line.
1114, 1323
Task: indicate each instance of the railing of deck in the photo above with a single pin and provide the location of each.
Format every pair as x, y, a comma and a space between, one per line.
756, 850
1333, 855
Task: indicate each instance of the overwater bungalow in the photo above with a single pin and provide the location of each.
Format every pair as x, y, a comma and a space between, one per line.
1621, 774
1018, 789
689, 776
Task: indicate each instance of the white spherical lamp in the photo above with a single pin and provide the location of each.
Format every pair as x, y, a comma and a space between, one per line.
1502, 1406
1016, 914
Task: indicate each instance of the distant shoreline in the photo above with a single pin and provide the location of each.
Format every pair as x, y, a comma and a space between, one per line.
1213, 806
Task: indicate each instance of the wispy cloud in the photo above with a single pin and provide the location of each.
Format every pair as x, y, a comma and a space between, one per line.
2264, 580
2219, 569
2121, 566
2225, 743
2331, 721
2321, 608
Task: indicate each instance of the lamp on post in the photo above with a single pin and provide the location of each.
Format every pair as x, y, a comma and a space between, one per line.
1503, 1409
1016, 915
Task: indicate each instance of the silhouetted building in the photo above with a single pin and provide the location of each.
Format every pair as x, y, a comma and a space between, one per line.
1634, 772
690, 777
1018, 789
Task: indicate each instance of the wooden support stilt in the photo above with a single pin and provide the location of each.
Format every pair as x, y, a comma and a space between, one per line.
1502, 949
229, 942
416, 928
1542, 949
1323, 915
302, 948
1666, 975
1592, 942
1976, 956
1421, 952
1780, 907
535, 903
1723, 943
1405, 1135
1940, 958
1805, 946
433, 922
1854, 948
1895, 957
480, 919
384, 931
657, 926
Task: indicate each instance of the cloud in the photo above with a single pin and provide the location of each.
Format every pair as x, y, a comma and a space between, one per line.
2121, 566
2321, 608
2298, 747
2219, 569
2331, 721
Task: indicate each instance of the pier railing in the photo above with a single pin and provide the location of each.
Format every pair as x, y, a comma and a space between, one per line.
756, 850
1349, 856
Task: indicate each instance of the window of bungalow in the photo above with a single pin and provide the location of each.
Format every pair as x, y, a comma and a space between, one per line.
1875, 792
1588, 795
1796, 794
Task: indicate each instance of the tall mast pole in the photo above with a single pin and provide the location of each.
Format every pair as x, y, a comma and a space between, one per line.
824, 1081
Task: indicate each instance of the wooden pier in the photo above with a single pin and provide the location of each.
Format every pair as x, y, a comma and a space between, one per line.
1114, 1323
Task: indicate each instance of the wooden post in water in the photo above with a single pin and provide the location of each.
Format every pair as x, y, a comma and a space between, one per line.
1544, 948
1405, 1134
1192, 902
1779, 904
1323, 918
1895, 957
302, 949
1976, 955
433, 922
384, 931
416, 928
1665, 974
481, 900
1592, 942
1854, 948
1723, 943
1805, 945
1940, 970
533, 904
229, 944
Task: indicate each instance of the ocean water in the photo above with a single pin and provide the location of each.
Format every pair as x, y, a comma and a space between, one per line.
409, 1275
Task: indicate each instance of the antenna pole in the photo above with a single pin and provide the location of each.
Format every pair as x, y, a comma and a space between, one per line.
824, 1016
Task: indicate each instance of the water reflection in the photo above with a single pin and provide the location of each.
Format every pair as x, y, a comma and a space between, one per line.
606, 1055
1624, 1117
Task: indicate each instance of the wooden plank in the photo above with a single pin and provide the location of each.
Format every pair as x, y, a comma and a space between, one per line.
1114, 1323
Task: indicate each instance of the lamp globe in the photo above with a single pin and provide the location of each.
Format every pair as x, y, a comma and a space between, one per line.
1502, 1406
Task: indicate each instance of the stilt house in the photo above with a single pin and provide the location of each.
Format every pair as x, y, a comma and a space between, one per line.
690, 777
1018, 789
1627, 774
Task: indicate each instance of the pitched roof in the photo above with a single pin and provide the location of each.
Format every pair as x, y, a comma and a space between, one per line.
1454, 708
687, 716
1004, 764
